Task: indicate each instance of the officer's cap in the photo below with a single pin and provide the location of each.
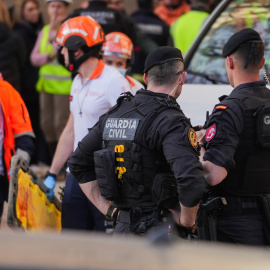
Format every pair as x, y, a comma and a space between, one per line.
239, 38
162, 55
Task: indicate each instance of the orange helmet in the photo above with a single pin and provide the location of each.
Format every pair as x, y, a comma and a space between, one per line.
79, 31
119, 44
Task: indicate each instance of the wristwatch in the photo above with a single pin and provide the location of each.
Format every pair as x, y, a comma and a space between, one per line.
108, 215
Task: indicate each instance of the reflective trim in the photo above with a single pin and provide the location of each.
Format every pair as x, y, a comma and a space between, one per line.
96, 33
29, 133
58, 78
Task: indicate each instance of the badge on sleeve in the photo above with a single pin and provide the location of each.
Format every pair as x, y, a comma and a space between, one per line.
221, 107
210, 133
192, 137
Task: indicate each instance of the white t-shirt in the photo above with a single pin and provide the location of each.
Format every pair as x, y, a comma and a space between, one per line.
134, 84
95, 97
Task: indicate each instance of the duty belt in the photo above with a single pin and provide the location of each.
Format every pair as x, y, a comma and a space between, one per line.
237, 206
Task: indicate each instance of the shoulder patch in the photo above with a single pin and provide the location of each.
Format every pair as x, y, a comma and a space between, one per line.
192, 137
221, 107
210, 133
70, 98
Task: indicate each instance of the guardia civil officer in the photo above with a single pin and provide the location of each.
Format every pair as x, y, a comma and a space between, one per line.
237, 157
146, 141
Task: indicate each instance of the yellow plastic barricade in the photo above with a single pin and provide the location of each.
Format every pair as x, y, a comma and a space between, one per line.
28, 206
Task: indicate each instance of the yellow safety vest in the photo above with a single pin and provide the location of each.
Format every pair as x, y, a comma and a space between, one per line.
53, 77
185, 29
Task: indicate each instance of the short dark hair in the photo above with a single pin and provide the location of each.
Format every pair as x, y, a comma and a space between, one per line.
165, 74
94, 51
242, 54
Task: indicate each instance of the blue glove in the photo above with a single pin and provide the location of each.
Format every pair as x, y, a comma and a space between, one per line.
50, 184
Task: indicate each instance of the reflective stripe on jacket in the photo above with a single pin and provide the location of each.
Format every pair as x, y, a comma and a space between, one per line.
53, 77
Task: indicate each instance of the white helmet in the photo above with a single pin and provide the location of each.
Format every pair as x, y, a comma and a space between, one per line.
66, 1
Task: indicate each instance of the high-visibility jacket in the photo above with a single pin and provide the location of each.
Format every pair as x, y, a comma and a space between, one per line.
53, 77
184, 32
170, 15
16, 120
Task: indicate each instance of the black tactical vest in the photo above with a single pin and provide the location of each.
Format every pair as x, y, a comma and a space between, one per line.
251, 175
136, 164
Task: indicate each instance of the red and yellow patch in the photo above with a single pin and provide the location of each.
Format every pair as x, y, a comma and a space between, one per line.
221, 107
192, 137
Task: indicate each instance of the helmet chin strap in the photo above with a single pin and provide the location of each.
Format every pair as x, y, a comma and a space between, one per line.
74, 64
170, 94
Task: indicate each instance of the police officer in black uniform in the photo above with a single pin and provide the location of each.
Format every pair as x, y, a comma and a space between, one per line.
237, 157
149, 161
152, 26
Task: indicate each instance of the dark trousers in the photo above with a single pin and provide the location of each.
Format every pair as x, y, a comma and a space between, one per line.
3, 193
77, 211
241, 230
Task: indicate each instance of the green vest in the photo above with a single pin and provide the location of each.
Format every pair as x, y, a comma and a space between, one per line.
53, 77
185, 29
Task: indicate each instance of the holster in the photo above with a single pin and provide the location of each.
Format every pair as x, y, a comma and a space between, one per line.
265, 204
207, 218
105, 173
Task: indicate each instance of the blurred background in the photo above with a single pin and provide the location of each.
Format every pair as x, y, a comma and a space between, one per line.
130, 6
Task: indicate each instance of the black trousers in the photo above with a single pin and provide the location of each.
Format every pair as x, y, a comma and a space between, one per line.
78, 212
3, 193
247, 230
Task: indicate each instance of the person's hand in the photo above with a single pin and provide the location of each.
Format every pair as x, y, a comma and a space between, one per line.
50, 184
1, 76
201, 136
176, 215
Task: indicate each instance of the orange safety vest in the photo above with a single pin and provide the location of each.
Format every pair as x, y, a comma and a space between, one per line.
16, 120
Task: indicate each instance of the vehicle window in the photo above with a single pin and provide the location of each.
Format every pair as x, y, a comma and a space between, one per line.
207, 64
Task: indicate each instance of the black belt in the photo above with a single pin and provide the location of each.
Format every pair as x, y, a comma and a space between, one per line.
234, 206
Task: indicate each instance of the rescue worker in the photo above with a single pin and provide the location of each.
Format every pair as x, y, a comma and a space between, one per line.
94, 90
237, 155
54, 81
171, 10
148, 144
183, 31
16, 134
117, 51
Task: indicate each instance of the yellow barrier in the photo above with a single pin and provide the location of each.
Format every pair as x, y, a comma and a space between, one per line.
28, 206
33, 209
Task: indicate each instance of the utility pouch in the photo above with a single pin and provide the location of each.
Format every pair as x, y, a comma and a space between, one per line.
263, 126
207, 218
105, 173
164, 191
265, 204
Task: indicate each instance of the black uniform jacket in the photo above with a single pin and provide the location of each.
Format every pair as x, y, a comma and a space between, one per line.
226, 125
168, 135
